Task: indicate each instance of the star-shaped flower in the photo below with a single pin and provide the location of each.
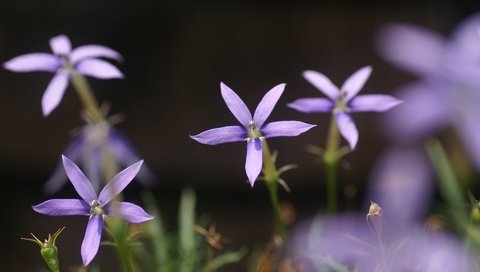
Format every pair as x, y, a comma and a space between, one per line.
447, 92
343, 101
93, 206
84, 60
93, 142
253, 129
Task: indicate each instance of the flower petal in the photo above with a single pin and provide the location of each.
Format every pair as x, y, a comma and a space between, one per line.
82, 185
285, 128
91, 241
254, 161
235, 105
33, 62
347, 128
426, 109
131, 213
126, 154
93, 51
412, 48
267, 104
311, 105
54, 93
59, 178
322, 83
60, 45
98, 68
373, 102
221, 135
59, 207
118, 183
355, 82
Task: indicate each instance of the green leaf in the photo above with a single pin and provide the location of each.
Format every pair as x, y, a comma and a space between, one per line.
228, 258
449, 186
186, 232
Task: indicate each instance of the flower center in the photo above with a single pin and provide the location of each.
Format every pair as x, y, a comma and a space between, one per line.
96, 208
253, 131
340, 103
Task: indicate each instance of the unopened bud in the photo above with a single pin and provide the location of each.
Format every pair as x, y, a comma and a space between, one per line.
475, 213
375, 217
48, 249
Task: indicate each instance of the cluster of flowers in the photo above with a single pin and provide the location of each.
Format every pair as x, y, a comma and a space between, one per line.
445, 66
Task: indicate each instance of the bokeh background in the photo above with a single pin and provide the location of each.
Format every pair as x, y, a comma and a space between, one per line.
176, 54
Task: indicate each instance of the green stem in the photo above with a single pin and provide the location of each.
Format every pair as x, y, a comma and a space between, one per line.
331, 158
271, 178
118, 230
85, 94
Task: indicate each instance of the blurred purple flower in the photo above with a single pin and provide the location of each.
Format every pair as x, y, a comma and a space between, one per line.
448, 92
347, 243
253, 130
402, 183
95, 207
344, 100
89, 147
83, 59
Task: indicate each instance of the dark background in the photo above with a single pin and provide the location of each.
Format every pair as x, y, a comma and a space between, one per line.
176, 54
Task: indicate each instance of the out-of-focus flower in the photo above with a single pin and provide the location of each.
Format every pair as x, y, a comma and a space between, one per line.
343, 101
94, 143
402, 183
83, 60
447, 93
253, 129
345, 243
93, 206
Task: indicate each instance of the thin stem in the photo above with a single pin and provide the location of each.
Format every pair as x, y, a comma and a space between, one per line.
118, 231
331, 158
271, 178
85, 93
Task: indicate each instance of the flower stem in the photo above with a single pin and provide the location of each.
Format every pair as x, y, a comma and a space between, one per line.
331, 158
271, 177
119, 232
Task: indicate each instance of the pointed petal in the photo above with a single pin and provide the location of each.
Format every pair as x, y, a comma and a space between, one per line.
254, 161
60, 45
347, 128
54, 93
285, 128
468, 126
322, 83
221, 135
373, 102
311, 105
91, 241
93, 51
267, 104
118, 183
412, 48
426, 109
59, 207
131, 212
98, 68
33, 62
82, 185
355, 82
235, 105
126, 154
59, 178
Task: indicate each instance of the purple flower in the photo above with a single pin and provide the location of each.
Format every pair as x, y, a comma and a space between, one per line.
84, 60
93, 206
447, 95
253, 129
343, 101
89, 147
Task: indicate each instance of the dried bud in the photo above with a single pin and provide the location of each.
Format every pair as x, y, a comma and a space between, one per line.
375, 218
48, 249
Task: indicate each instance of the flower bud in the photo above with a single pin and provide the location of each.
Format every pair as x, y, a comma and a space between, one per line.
48, 249
375, 218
